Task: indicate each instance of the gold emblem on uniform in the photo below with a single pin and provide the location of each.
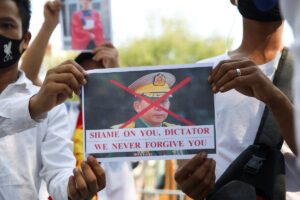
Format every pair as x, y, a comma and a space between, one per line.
159, 80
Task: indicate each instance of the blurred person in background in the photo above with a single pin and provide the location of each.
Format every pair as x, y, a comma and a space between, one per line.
104, 56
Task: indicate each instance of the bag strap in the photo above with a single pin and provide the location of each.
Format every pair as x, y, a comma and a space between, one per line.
268, 132
268, 135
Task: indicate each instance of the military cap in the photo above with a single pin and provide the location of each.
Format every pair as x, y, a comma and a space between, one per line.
153, 85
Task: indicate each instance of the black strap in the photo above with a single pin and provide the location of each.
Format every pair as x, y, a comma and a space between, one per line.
268, 132
268, 135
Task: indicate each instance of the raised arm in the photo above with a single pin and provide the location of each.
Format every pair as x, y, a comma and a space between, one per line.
33, 56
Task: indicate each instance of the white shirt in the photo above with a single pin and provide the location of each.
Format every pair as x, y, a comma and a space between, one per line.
42, 152
14, 109
119, 175
291, 12
237, 121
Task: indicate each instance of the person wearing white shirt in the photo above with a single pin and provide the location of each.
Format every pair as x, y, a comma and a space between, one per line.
44, 151
241, 81
102, 57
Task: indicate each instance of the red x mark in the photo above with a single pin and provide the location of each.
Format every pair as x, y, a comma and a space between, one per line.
155, 103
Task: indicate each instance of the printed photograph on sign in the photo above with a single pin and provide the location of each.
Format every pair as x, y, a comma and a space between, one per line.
85, 24
164, 112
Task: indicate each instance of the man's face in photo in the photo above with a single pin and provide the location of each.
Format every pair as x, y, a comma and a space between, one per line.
86, 4
155, 116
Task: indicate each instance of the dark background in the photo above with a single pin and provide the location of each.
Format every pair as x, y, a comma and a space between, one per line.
107, 105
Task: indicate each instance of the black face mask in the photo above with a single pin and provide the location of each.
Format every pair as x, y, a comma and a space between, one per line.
248, 10
9, 51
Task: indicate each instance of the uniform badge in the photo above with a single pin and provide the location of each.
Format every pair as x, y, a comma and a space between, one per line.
159, 80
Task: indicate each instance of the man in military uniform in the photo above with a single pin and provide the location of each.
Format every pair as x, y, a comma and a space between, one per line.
152, 86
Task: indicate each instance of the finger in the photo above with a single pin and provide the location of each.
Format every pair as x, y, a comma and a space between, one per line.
211, 186
107, 60
230, 75
54, 88
108, 44
55, 5
101, 55
77, 66
237, 82
80, 183
110, 63
216, 69
66, 78
219, 66
207, 182
72, 192
189, 167
198, 177
89, 178
52, 6
228, 66
103, 46
70, 68
98, 171
106, 54
63, 92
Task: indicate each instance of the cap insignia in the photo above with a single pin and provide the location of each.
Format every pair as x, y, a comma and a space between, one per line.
159, 80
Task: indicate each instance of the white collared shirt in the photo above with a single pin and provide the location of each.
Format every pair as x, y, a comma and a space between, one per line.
41, 152
14, 108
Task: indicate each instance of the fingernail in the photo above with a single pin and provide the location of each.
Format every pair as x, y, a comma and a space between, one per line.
83, 164
222, 89
75, 170
84, 81
209, 78
203, 154
214, 89
90, 158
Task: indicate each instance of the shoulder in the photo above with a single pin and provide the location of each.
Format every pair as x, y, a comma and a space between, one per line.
166, 124
76, 13
131, 125
96, 13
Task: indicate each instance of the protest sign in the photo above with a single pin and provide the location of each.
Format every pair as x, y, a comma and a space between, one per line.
136, 113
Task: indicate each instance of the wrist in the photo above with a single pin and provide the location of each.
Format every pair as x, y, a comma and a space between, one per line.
276, 99
48, 27
35, 108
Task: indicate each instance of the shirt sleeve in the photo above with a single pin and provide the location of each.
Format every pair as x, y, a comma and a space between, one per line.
15, 116
57, 155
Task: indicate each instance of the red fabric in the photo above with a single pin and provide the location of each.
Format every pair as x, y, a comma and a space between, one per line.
80, 38
79, 121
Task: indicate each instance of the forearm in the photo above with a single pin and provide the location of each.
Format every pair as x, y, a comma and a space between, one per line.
33, 56
283, 112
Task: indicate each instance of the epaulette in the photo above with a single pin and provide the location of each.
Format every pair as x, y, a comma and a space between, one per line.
166, 124
131, 125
